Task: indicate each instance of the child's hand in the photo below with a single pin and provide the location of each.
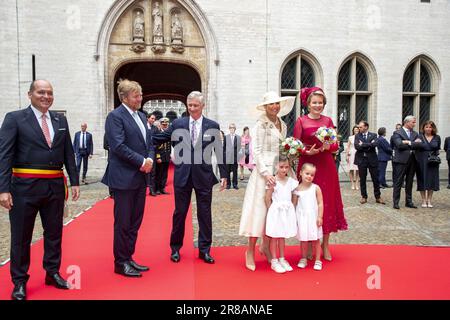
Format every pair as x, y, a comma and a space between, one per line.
319, 221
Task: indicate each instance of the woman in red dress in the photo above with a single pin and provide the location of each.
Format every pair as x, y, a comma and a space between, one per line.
321, 155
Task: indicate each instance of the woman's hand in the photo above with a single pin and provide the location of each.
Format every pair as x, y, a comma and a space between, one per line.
319, 221
325, 147
312, 151
270, 180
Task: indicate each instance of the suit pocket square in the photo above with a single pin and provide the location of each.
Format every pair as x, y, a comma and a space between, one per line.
207, 136
61, 129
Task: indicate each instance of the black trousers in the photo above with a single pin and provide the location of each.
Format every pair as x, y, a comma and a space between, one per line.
128, 214
182, 202
232, 168
82, 156
151, 179
448, 163
382, 165
363, 166
22, 217
162, 170
402, 172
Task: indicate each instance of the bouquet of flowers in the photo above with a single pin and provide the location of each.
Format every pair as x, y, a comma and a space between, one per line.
326, 135
291, 148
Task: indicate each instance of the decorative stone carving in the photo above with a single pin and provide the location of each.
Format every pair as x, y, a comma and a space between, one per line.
138, 32
177, 33
158, 35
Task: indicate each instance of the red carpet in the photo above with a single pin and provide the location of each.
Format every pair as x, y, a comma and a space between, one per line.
406, 272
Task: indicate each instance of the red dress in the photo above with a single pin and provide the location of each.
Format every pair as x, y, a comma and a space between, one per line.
326, 175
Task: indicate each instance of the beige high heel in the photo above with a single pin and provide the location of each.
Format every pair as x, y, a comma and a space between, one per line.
249, 261
326, 255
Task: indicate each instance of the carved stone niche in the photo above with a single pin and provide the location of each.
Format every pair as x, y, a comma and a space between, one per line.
176, 31
138, 31
158, 28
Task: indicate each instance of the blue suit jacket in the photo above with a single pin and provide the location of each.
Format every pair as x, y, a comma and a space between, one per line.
384, 149
127, 150
194, 162
367, 149
89, 143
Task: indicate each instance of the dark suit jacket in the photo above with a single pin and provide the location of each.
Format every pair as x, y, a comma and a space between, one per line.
447, 147
89, 143
23, 145
367, 149
194, 163
231, 151
384, 150
127, 150
403, 151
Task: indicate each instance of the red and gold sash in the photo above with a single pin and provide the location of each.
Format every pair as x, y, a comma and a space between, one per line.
41, 174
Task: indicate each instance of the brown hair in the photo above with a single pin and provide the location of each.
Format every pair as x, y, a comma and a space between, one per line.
317, 93
433, 126
126, 86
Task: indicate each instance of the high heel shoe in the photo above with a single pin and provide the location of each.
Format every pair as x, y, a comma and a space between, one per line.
326, 254
249, 261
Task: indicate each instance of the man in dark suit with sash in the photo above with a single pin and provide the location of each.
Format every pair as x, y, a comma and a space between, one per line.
366, 159
35, 144
194, 138
131, 155
406, 141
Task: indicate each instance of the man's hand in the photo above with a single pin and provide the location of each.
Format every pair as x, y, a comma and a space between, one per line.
75, 193
223, 184
90, 156
6, 200
147, 166
158, 161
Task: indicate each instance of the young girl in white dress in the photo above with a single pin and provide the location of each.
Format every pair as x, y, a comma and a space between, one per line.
281, 221
308, 203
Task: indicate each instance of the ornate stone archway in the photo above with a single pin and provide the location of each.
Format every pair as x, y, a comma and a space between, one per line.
133, 32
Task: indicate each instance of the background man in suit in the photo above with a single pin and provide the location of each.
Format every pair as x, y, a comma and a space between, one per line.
447, 151
366, 158
131, 155
231, 148
405, 140
194, 139
151, 177
162, 161
384, 156
35, 144
84, 149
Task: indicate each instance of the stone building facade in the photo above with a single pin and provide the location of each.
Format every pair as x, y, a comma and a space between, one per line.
376, 60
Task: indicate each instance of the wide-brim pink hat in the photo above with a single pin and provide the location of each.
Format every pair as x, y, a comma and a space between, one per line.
286, 103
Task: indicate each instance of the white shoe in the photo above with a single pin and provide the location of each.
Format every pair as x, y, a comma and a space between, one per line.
285, 264
277, 267
318, 265
302, 263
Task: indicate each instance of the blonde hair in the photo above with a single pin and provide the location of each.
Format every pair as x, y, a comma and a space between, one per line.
126, 86
307, 165
317, 93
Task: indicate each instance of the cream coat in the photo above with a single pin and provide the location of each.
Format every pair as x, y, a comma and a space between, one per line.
266, 142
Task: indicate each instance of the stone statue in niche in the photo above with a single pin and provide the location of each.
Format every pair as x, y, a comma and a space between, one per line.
177, 34
138, 32
158, 35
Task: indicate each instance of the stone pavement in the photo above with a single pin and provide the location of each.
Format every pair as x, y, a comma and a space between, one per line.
370, 223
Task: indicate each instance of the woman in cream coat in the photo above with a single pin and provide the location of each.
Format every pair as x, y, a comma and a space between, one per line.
268, 133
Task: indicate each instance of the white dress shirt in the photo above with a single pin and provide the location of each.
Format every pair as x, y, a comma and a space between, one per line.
38, 115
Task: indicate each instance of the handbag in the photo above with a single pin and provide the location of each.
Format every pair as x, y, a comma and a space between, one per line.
434, 159
247, 149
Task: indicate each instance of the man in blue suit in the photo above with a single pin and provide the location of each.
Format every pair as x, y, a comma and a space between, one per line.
131, 155
84, 149
194, 138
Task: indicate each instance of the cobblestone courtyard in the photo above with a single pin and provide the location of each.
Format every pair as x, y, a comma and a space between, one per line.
370, 223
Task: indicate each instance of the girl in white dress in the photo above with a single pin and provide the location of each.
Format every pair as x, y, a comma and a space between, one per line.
308, 203
281, 221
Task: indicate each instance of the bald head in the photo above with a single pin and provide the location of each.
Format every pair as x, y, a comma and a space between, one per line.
41, 95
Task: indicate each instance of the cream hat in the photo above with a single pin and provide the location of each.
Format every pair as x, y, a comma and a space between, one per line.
286, 103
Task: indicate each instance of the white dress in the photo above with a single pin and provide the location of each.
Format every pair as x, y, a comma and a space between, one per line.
352, 152
307, 211
281, 219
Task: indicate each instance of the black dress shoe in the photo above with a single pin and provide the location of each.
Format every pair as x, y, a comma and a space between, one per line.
158, 193
57, 281
127, 270
396, 206
411, 205
175, 256
236, 187
164, 192
138, 267
228, 188
152, 193
448, 187
206, 257
387, 186
19, 292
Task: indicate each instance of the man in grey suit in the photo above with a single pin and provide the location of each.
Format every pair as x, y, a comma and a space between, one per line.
231, 148
405, 141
